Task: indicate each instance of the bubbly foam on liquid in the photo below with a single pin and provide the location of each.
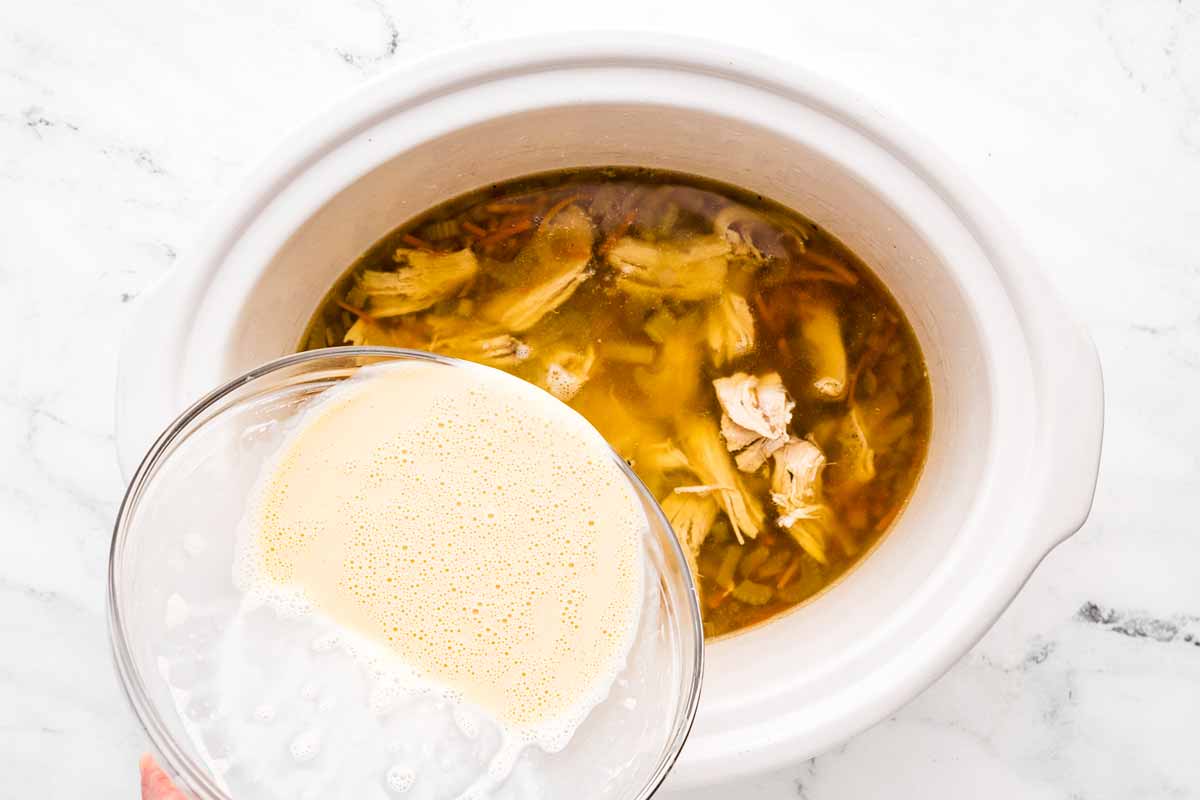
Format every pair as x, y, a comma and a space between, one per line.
469, 527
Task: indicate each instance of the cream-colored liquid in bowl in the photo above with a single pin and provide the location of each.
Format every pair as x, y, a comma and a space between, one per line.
462, 533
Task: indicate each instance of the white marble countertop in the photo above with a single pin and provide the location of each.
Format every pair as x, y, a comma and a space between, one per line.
123, 123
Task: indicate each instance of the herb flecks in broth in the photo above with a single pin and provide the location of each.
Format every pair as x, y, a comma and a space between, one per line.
754, 373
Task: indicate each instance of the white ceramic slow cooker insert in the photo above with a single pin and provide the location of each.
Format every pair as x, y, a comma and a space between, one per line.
1016, 384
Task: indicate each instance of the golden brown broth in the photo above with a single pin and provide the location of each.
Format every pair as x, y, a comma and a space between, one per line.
629, 404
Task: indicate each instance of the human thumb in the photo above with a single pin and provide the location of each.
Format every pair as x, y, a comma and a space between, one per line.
155, 783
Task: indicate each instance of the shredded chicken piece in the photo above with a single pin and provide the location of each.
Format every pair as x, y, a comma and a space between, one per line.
729, 329
691, 517
692, 270
829, 268
822, 333
523, 311
629, 432
368, 332
710, 462
758, 405
796, 480
662, 457
359, 333
659, 326
739, 240
797, 493
808, 527
476, 341
756, 412
702, 489
423, 278
755, 238
858, 457
673, 380
756, 454
567, 371
556, 261
628, 352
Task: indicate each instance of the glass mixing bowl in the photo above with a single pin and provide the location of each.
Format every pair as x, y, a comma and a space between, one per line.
299, 713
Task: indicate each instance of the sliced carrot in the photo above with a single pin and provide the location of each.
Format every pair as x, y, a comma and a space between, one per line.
784, 348
763, 312
716, 600
831, 264
552, 212
887, 519
358, 312
501, 207
500, 234
416, 242
870, 358
473, 229
789, 573
616, 233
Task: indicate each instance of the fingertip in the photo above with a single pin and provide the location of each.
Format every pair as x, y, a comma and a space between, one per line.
155, 783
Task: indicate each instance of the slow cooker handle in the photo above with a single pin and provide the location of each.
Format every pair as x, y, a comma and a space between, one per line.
1071, 426
151, 346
